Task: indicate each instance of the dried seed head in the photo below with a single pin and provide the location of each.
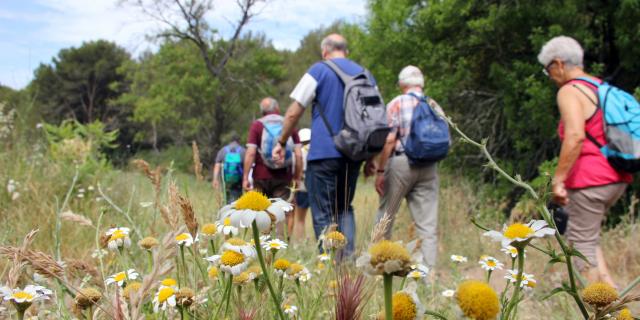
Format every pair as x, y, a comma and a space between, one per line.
87, 297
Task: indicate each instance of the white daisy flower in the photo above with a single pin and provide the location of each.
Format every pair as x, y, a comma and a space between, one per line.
324, 257
418, 271
527, 282
99, 253
121, 277
90, 188
118, 238
169, 282
230, 262
255, 206
240, 246
511, 251
448, 293
185, 239
290, 310
226, 228
519, 233
490, 263
409, 296
29, 294
297, 271
458, 259
166, 296
275, 245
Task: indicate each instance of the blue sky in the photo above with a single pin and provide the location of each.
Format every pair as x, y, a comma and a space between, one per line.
33, 31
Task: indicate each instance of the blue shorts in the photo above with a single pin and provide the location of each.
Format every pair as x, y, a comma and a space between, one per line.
302, 199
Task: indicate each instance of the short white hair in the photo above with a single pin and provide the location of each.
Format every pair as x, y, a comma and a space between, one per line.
333, 43
411, 76
269, 104
563, 48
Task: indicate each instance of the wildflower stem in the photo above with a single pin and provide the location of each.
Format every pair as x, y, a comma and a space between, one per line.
630, 287
489, 275
513, 302
265, 272
20, 314
388, 290
213, 246
150, 255
402, 283
225, 295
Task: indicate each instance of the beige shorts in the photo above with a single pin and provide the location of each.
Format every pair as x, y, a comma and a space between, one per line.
587, 208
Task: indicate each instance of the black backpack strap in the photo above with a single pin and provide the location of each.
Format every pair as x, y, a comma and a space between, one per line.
324, 117
587, 134
345, 78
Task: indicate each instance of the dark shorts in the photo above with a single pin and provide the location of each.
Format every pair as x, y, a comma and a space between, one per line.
274, 188
302, 199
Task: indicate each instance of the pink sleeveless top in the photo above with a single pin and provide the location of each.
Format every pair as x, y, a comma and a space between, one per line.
592, 169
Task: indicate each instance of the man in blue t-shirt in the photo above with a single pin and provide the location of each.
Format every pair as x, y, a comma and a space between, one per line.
331, 177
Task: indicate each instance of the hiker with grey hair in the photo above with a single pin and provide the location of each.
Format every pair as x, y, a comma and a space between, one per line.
228, 169
584, 181
398, 177
331, 177
271, 178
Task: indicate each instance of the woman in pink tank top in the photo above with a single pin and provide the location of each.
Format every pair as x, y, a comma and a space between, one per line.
584, 181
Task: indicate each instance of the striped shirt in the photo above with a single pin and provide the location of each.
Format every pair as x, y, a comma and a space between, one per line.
400, 112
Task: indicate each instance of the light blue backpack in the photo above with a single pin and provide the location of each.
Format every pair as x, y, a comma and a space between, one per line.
621, 113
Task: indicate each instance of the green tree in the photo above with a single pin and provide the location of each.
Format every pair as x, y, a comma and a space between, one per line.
81, 83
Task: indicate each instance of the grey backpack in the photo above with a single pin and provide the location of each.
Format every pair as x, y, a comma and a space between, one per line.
365, 128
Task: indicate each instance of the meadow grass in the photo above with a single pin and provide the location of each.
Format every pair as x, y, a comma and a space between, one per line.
122, 197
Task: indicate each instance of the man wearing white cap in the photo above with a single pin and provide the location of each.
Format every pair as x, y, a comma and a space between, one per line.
398, 178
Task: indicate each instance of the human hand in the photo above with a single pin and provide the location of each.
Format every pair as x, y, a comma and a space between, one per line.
278, 153
246, 185
560, 194
369, 168
380, 185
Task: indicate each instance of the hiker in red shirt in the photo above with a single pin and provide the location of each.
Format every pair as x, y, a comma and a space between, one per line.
584, 180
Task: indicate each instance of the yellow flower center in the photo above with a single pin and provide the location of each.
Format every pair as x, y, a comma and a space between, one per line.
281, 264
336, 236
255, 270
241, 278
213, 272
625, 314
491, 263
131, 287
274, 245
518, 230
478, 300
182, 237
165, 293
295, 268
236, 242
227, 222
121, 276
117, 234
169, 282
320, 266
231, 258
253, 200
209, 229
513, 250
531, 284
23, 295
386, 250
333, 284
403, 307
599, 294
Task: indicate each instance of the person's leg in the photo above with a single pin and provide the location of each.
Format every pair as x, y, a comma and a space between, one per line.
397, 182
586, 210
320, 180
615, 191
280, 189
345, 191
234, 192
423, 205
302, 204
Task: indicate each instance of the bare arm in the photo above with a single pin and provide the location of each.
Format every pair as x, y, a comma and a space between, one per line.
386, 151
216, 175
249, 159
297, 170
291, 118
574, 132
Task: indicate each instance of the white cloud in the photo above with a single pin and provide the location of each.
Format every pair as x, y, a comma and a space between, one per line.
67, 23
